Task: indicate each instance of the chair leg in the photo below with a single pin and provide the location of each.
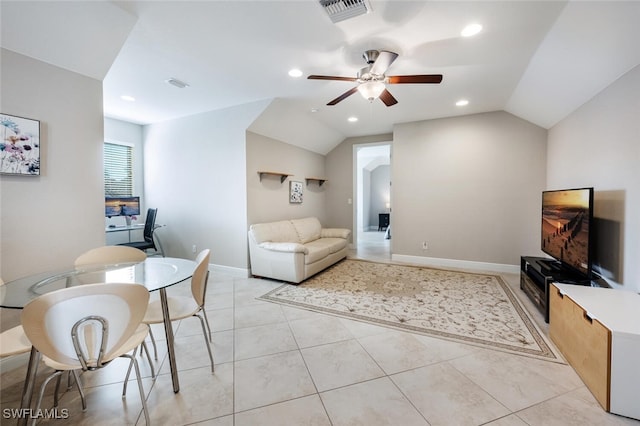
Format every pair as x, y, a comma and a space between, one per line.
57, 373
208, 326
146, 351
57, 391
126, 378
156, 239
204, 333
69, 380
140, 388
153, 341
71, 374
76, 377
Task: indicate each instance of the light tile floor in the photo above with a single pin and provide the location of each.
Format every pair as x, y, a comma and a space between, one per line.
277, 365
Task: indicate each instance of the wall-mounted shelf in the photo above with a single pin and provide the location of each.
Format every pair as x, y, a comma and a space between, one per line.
315, 179
283, 176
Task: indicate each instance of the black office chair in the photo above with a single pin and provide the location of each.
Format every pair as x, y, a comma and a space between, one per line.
149, 228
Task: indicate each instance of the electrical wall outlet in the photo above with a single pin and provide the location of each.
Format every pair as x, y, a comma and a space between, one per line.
425, 246
194, 248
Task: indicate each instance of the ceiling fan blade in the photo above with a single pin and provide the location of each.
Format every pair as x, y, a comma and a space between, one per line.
385, 59
329, 77
410, 79
387, 98
343, 96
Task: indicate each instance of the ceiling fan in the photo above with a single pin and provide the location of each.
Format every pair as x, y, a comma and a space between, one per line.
372, 80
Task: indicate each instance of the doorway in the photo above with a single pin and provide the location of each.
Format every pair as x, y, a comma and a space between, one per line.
372, 182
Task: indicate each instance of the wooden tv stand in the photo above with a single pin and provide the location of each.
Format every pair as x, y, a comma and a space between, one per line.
598, 332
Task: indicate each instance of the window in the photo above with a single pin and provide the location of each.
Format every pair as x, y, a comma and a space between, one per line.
118, 170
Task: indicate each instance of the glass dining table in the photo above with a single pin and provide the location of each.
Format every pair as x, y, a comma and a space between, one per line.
155, 273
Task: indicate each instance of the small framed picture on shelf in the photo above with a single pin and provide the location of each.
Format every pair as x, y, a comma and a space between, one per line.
295, 192
20, 146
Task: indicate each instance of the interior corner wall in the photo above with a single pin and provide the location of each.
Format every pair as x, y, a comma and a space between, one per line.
46, 221
469, 186
599, 145
195, 175
268, 199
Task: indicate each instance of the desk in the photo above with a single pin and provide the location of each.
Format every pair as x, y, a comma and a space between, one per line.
138, 227
128, 228
155, 273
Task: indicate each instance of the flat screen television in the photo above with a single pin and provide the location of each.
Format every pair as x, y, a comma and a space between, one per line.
567, 217
121, 206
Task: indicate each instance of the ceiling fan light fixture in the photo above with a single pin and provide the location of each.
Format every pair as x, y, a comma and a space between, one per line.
471, 30
371, 90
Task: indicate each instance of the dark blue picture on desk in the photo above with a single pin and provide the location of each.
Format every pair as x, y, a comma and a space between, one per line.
121, 206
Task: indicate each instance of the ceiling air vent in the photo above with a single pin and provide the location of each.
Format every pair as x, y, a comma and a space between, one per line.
339, 10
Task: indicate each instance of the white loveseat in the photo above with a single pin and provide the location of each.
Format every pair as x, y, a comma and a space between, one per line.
294, 250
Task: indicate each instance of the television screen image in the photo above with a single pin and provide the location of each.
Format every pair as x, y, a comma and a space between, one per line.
121, 206
566, 220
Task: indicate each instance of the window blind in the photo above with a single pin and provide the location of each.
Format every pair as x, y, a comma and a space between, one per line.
118, 170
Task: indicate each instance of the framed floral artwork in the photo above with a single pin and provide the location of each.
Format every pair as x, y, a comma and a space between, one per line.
20, 146
295, 192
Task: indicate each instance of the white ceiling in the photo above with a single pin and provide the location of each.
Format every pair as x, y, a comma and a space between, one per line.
539, 60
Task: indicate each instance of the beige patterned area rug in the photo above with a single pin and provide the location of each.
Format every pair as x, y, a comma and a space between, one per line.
477, 309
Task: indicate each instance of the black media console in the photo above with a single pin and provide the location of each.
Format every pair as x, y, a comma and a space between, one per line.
536, 273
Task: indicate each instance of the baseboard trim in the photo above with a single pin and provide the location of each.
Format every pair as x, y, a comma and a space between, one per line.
10, 363
230, 270
459, 264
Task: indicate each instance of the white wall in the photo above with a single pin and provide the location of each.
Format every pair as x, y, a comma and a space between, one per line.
365, 222
380, 193
268, 200
48, 220
599, 145
470, 187
195, 174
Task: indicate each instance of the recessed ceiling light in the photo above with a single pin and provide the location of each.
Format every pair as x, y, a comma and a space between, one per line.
314, 110
471, 30
462, 102
295, 73
352, 119
128, 98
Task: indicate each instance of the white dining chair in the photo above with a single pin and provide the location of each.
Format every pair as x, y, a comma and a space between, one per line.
86, 327
181, 307
13, 341
113, 255
110, 255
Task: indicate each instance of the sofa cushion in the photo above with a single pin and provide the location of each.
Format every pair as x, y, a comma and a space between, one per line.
284, 247
333, 244
277, 232
308, 229
315, 252
335, 233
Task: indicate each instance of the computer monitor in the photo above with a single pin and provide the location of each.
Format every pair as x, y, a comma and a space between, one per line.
121, 206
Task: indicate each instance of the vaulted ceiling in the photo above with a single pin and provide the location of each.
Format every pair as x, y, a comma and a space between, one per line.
539, 60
